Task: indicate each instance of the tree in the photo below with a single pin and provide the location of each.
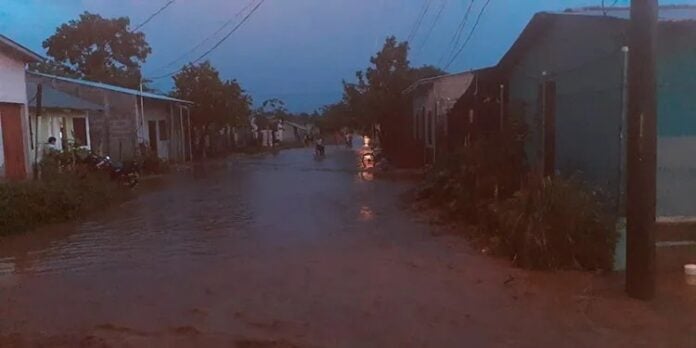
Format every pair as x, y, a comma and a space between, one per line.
273, 108
377, 95
98, 49
215, 101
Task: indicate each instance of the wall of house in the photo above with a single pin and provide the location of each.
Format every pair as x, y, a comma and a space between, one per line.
676, 171
112, 131
174, 147
12, 72
49, 125
583, 57
589, 105
13, 90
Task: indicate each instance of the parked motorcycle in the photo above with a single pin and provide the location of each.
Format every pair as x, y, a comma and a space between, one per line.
126, 173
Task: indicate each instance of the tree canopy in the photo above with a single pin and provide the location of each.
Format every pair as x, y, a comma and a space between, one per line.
98, 49
216, 101
377, 94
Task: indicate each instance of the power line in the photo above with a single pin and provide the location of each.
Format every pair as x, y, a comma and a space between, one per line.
419, 21
432, 27
471, 34
224, 38
169, 3
210, 37
456, 38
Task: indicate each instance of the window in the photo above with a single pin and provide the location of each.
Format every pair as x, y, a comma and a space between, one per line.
163, 130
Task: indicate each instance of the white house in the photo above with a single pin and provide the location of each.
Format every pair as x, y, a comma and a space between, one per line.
130, 121
432, 100
14, 124
63, 116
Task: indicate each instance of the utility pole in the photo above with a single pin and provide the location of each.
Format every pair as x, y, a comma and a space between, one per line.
642, 151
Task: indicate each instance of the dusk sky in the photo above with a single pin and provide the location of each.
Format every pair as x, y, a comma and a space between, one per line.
295, 50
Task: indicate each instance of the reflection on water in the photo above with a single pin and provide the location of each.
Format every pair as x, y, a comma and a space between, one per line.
366, 214
183, 218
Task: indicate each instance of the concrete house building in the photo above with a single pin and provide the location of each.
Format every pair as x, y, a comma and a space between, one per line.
566, 76
129, 122
14, 127
63, 116
433, 98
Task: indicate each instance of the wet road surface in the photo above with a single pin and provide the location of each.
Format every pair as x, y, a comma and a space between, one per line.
286, 251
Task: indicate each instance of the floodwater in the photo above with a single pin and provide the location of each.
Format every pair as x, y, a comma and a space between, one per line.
286, 251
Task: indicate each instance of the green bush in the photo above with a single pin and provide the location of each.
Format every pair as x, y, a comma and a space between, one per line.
554, 224
549, 224
56, 198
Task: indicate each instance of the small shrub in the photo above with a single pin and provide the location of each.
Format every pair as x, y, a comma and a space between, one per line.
57, 197
556, 224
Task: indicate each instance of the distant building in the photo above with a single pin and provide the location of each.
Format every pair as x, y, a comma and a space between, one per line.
130, 121
15, 142
433, 98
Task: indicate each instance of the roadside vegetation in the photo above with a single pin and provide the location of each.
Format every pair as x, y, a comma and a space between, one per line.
58, 198
66, 190
539, 223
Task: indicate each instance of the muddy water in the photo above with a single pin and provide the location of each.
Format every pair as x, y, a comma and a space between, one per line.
286, 251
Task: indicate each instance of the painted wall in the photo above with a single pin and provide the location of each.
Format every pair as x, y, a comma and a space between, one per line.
436, 100
583, 57
676, 167
12, 80
49, 125
112, 131
13, 90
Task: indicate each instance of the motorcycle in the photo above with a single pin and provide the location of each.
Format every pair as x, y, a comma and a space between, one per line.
127, 173
319, 151
371, 158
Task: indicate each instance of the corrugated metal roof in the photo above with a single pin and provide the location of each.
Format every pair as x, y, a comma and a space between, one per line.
541, 21
24, 53
113, 88
674, 13
52, 98
430, 80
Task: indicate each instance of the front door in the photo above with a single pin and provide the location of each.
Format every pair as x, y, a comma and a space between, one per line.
152, 135
13, 141
80, 129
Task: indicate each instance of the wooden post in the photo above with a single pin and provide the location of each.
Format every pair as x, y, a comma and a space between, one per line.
34, 135
642, 151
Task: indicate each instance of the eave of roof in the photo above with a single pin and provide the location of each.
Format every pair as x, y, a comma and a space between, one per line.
541, 21
112, 88
27, 55
430, 80
52, 98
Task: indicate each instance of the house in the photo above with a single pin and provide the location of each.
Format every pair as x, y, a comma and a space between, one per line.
130, 122
432, 100
566, 75
14, 127
479, 111
291, 132
62, 116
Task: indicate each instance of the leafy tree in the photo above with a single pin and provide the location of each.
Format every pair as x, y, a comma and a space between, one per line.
377, 95
216, 102
99, 49
273, 108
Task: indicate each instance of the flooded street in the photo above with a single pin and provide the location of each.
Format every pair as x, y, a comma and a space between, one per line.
286, 251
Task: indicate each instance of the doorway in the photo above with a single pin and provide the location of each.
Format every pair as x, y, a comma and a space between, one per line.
13, 141
152, 136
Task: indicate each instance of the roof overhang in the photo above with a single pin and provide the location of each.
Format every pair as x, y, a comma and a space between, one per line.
20, 52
